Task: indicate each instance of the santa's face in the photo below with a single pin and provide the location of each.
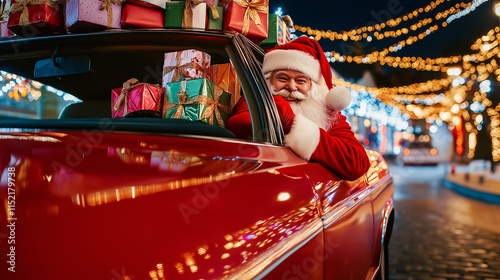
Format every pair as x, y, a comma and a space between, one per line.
307, 99
291, 84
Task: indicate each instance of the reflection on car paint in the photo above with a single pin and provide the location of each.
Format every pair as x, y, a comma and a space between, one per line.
235, 252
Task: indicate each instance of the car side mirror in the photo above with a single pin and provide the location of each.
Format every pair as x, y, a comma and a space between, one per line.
62, 66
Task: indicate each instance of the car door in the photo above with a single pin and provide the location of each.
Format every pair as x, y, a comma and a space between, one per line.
346, 248
347, 217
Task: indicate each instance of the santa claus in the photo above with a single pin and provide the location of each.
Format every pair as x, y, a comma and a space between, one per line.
299, 77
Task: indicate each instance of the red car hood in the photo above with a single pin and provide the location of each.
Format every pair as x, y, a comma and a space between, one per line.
104, 206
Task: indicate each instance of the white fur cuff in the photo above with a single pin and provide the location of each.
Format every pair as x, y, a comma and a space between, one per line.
303, 137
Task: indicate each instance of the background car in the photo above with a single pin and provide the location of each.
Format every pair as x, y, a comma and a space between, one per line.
155, 198
418, 153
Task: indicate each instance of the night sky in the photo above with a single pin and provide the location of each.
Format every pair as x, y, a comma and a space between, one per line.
454, 39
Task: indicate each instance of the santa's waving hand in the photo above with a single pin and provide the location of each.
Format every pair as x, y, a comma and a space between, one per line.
299, 76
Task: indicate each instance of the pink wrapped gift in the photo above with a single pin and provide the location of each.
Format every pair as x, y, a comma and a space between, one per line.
91, 15
135, 96
4, 32
4, 18
185, 65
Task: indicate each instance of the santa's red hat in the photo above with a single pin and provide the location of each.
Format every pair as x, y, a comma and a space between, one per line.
305, 55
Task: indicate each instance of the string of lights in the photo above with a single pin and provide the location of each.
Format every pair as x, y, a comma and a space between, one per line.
473, 66
366, 32
487, 46
381, 56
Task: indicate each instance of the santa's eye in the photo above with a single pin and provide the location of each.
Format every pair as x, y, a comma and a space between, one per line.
282, 79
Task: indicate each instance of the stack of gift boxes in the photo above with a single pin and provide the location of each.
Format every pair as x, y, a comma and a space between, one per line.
191, 87
45, 17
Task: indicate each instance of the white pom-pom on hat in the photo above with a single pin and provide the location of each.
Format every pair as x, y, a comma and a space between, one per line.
338, 98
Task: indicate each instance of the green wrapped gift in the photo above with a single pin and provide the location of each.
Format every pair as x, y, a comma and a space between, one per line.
173, 14
180, 15
197, 100
278, 32
215, 19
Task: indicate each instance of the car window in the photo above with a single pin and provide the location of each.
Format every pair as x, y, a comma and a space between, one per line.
23, 98
114, 59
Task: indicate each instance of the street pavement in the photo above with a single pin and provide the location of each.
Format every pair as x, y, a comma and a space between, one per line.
438, 233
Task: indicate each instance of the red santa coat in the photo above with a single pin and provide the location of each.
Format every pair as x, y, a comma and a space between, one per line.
337, 148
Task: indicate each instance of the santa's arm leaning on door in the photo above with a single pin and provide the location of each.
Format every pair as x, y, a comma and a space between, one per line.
336, 148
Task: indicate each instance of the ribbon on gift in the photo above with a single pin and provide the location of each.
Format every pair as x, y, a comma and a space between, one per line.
215, 13
214, 105
22, 6
121, 102
180, 70
187, 17
5, 10
107, 5
252, 9
211, 104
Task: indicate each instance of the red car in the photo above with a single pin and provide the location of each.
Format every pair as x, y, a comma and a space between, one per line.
87, 196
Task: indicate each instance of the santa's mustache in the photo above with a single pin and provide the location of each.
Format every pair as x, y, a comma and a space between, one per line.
289, 95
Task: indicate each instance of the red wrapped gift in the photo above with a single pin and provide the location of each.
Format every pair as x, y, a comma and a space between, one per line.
30, 17
134, 16
249, 17
135, 96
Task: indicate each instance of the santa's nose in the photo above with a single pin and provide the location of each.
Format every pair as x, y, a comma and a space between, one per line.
292, 86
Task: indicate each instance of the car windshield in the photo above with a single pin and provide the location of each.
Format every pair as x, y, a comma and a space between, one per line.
61, 78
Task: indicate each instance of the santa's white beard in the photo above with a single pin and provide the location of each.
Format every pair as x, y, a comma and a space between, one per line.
312, 105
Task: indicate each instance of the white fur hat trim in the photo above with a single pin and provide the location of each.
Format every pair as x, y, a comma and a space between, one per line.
293, 60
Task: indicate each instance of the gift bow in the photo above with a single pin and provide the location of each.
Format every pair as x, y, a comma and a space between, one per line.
187, 17
214, 105
252, 9
215, 13
107, 5
122, 100
211, 104
181, 70
4, 11
22, 6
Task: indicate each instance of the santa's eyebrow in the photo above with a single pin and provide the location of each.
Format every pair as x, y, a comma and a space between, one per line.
281, 72
302, 77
